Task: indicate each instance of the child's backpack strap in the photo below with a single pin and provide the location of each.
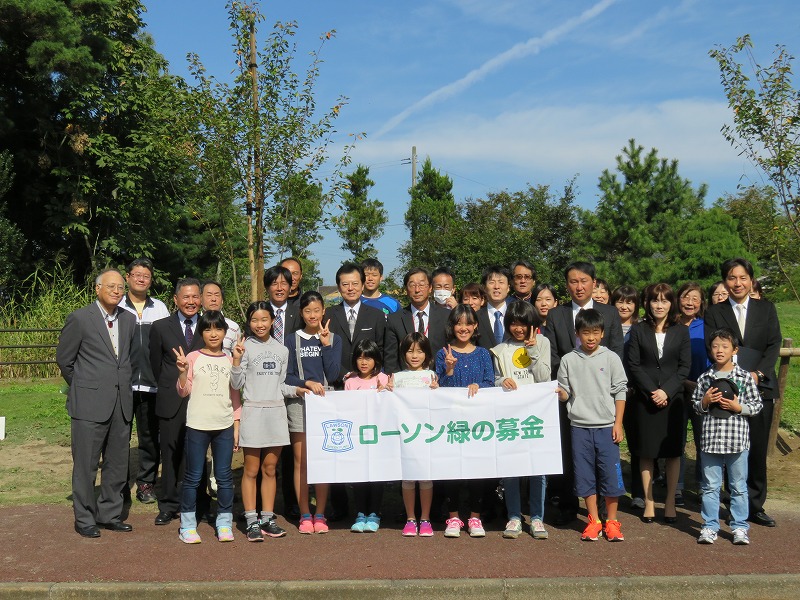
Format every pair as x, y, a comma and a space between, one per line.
297, 341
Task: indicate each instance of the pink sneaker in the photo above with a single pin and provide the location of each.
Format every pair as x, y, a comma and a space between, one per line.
410, 530
320, 525
425, 529
225, 534
306, 524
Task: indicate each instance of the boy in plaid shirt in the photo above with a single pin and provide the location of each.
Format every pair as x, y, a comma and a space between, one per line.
725, 439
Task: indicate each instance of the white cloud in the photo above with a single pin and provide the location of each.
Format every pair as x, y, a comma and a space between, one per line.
516, 52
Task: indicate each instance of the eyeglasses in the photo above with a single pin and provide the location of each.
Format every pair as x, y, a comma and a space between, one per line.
522, 277
418, 286
720, 295
114, 288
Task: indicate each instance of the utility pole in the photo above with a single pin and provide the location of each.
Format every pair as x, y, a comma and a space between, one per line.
413, 166
255, 193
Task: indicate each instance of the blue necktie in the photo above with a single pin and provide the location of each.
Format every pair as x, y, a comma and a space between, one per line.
498, 327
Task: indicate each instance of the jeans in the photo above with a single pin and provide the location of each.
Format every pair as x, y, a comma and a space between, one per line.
712, 465
538, 485
197, 442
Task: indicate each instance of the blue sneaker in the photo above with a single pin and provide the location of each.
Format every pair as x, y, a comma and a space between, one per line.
360, 524
373, 523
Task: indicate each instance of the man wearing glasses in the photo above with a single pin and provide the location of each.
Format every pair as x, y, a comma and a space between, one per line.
94, 355
146, 310
523, 280
420, 315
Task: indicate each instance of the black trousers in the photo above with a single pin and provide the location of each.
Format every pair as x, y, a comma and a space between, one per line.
757, 458
144, 410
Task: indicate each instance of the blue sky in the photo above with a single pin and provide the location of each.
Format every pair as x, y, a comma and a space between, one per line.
509, 92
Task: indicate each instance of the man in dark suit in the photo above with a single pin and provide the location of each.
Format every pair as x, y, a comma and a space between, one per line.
278, 283
580, 278
491, 328
94, 355
421, 315
166, 336
756, 324
352, 320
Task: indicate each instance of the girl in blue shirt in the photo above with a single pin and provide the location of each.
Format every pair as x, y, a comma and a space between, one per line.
462, 363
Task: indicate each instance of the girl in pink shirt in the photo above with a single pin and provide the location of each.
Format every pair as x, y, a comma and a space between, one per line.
366, 375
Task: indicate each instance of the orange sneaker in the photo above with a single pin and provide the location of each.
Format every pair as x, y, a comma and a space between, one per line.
613, 532
593, 530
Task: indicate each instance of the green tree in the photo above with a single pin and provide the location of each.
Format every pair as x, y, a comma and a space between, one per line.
766, 120
633, 232
296, 224
767, 234
430, 219
708, 239
362, 219
11, 239
504, 227
268, 125
94, 123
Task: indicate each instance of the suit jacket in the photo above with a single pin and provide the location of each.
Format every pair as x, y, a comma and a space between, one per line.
486, 325
400, 324
166, 334
762, 332
95, 374
648, 372
370, 325
560, 331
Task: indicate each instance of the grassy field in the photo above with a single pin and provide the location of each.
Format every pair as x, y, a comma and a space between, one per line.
789, 315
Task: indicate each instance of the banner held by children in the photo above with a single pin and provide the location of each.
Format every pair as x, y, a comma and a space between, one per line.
439, 434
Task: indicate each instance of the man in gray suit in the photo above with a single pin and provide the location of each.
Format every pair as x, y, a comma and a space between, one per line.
94, 355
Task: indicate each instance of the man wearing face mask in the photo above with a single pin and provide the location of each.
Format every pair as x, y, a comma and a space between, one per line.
444, 287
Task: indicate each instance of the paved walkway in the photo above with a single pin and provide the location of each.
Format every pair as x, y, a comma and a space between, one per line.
41, 556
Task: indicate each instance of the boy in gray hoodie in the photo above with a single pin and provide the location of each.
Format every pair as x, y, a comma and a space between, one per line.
592, 381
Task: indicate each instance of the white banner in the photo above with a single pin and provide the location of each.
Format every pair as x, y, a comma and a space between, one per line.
421, 434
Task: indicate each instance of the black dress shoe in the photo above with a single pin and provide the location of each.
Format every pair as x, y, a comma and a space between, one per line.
92, 531
165, 518
644, 519
670, 519
565, 518
762, 518
116, 526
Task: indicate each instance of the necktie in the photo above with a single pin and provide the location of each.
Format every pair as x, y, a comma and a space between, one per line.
188, 333
498, 327
351, 322
277, 326
740, 318
420, 322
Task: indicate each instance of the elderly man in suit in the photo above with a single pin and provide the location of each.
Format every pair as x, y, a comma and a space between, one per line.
580, 278
94, 355
421, 315
756, 324
167, 335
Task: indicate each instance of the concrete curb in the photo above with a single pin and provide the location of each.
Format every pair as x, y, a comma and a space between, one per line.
741, 587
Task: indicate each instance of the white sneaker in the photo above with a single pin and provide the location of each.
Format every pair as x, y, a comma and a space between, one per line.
513, 529
453, 529
537, 530
740, 537
475, 527
707, 536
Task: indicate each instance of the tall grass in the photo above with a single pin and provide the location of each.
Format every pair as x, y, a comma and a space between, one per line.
42, 301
